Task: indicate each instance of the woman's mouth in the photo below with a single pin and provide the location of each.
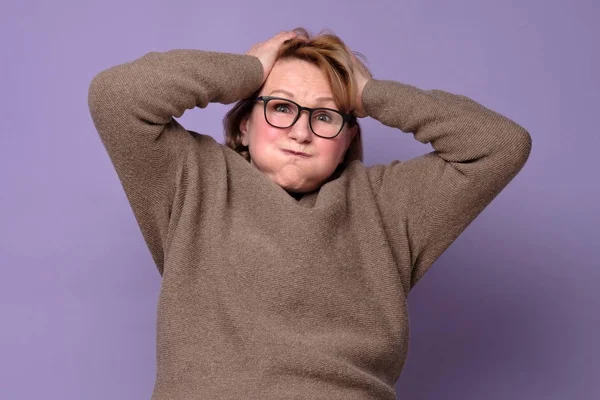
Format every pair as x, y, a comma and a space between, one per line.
295, 153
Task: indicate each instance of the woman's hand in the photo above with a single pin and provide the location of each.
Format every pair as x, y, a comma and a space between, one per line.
267, 51
361, 77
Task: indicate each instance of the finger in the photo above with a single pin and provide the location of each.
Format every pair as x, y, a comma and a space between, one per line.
301, 38
281, 35
295, 37
286, 35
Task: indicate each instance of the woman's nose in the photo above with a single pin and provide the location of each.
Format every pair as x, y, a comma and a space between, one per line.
301, 131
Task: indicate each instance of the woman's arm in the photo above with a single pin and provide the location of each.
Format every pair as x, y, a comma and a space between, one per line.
133, 105
433, 198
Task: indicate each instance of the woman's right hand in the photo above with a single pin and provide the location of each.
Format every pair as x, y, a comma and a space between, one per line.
267, 51
361, 77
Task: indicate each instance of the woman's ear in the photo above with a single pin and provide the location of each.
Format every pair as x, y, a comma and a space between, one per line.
351, 135
244, 123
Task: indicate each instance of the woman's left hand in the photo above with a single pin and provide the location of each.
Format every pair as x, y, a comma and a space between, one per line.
361, 77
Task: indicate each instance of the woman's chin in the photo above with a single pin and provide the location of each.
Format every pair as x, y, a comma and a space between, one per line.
294, 187
295, 184
294, 178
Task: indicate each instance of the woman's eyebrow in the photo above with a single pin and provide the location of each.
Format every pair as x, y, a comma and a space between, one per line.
291, 95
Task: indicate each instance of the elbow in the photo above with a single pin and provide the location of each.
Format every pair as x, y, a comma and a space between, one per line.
95, 91
98, 92
108, 94
504, 153
102, 88
517, 147
107, 104
510, 152
98, 98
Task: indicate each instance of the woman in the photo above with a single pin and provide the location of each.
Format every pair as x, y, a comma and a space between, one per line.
285, 262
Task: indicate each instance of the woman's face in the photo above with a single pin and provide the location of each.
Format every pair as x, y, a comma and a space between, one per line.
274, 151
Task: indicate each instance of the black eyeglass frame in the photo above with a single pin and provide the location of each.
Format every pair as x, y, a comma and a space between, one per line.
346, 118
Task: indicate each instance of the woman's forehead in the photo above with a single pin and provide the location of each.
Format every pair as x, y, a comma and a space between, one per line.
298, 80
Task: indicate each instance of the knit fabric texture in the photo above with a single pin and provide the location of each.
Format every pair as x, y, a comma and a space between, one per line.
264, 296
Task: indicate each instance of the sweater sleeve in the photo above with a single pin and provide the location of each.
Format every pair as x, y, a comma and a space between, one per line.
133, 105
433, 198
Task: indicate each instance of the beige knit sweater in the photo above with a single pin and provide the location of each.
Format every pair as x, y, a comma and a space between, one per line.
267, 297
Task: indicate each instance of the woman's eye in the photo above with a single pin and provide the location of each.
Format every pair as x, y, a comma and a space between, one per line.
323, 118
282, 108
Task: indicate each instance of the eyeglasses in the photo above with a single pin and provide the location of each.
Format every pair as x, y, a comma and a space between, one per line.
283, 113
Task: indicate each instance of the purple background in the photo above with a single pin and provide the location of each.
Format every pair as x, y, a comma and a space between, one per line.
510, 311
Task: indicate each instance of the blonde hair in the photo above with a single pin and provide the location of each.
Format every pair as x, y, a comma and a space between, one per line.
328, 52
